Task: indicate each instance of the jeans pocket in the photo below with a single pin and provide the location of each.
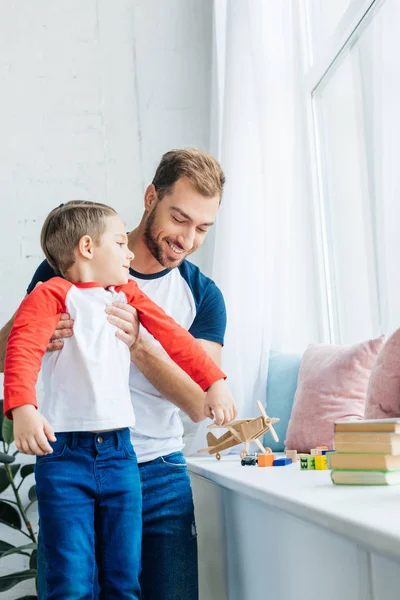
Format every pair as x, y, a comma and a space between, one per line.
129, 451
175, 460
59, 449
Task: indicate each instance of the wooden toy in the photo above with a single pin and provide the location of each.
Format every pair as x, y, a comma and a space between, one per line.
266, 460
307, 463
292, 454
321, 464
242, 431
281, 462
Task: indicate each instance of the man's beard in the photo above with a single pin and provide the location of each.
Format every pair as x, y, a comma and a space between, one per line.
155, 247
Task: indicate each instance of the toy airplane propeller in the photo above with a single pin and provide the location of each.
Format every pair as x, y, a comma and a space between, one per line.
241, 431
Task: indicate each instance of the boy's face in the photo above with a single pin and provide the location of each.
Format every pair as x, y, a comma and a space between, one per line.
178, 224
112, 256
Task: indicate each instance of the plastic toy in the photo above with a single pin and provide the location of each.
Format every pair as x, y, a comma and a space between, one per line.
321, 464
281, 462
249, 459
307, 463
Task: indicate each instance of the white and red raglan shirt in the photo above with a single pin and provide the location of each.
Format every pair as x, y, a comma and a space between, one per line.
86, 385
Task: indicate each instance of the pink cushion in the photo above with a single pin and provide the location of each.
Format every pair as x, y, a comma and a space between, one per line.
383, 396
332, 385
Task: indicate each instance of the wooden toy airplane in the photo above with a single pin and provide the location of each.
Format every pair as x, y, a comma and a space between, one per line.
241, 431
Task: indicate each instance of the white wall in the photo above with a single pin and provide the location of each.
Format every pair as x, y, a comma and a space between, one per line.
92, 93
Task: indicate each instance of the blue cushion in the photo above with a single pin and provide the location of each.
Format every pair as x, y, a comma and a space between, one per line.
283, 371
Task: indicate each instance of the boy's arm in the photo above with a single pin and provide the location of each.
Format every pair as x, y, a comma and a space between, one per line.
4, 333
169, 379
31, 331
178, 343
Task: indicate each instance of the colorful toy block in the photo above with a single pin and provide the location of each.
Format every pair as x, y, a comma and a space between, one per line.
321, 464
307, 463
316, 452
281, 462
266, 460
291, 454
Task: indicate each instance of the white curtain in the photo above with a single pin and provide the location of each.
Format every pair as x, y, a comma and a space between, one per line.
262, 248
378, 56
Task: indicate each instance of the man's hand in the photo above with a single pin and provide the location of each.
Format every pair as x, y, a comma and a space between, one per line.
123, 316
64, 329
32, 431
219, 403
126, 319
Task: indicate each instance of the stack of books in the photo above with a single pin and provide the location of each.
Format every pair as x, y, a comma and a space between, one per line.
367, 452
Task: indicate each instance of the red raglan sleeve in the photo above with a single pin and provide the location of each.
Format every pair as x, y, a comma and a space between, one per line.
179, 344
34, 323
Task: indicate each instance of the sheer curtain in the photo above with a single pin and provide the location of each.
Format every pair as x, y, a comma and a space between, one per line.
262, 247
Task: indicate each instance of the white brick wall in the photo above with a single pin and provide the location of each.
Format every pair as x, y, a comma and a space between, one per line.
92, 93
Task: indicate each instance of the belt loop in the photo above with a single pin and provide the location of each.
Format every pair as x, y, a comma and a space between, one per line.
74, 439
119, 440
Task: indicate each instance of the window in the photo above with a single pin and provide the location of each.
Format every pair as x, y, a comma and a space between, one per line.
354, 95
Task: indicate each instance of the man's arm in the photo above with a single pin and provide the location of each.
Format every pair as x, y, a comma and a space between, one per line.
169, 379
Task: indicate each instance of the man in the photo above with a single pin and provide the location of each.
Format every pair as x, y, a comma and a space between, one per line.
180, 206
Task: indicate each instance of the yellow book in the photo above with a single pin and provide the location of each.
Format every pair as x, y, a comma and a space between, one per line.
360, 448
366, 437
365, 477
377, 425
367, 462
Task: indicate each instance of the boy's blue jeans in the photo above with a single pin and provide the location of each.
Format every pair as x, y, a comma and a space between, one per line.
169, 547
89, 493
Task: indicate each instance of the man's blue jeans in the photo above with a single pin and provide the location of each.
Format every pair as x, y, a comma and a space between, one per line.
169, 546
89, 493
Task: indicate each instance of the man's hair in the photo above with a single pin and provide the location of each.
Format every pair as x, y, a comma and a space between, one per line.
65, 225
202, 170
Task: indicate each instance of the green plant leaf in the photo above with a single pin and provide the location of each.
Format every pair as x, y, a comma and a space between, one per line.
6, 458
19, 549
33, 560
1, 418
27, 470
9, 515
4, 481
32, 494
7, 431
8, 581
5, 546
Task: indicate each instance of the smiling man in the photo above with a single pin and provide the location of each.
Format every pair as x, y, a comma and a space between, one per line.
181, 205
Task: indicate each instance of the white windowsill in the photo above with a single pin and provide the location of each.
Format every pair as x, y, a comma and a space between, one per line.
367, 515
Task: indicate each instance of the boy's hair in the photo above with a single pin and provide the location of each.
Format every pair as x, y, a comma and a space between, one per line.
65, 225
203, 171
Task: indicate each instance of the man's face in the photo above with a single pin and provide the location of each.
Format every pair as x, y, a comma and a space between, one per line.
178, 224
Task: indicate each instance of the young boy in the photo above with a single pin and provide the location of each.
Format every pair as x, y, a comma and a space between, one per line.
87, 478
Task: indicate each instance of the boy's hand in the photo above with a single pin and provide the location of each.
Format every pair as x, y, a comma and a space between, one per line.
219, 403
32, 431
